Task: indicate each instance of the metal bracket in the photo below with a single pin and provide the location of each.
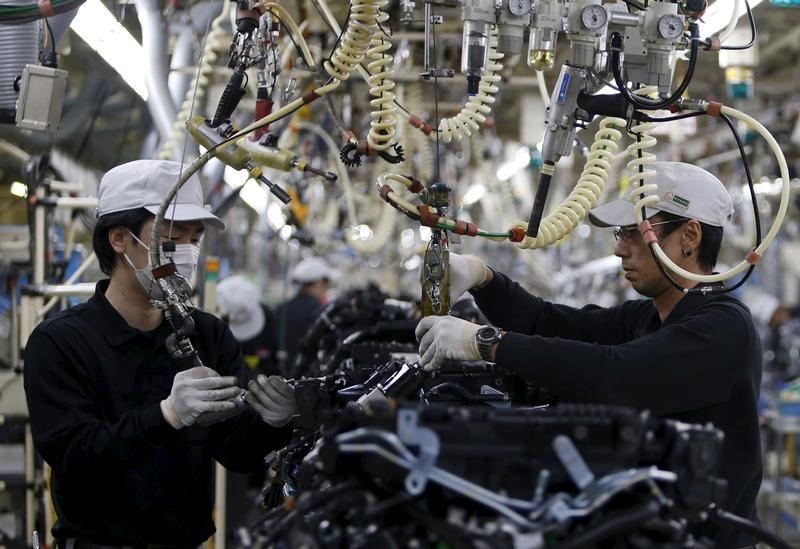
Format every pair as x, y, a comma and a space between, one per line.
411, 434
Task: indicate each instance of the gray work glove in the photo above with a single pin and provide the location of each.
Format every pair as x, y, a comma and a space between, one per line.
466, 272
196, 391
273, 399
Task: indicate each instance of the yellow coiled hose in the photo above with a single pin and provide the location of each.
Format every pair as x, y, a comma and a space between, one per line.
382, 127
586, 192
477, 107
216, 41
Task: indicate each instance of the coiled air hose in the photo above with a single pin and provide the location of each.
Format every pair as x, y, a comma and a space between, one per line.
347, 55
586, 192
754, 256
216, 41
382, 127
477, 107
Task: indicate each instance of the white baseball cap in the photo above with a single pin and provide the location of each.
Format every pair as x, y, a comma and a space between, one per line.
145, 183
239, 300
312, 269
683, 189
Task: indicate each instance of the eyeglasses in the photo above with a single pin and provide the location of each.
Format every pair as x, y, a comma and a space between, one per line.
625, 233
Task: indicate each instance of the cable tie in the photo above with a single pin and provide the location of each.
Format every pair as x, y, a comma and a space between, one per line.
420, 124
753, 257
416, 185
714, 108
648, 234
310, 96
427, 217
45, 8
384, 192
466, 228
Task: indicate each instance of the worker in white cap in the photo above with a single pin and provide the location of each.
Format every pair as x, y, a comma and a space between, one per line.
251, 322
130, 432
692, 355
313, 277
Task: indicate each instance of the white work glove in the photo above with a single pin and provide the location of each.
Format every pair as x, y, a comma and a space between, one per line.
273, 399
445, 337
466, 272
196, 391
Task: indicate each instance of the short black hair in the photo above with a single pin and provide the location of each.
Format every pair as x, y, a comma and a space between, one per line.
710, 242
133, 220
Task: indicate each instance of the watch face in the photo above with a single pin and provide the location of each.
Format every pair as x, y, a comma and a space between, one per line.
487, 334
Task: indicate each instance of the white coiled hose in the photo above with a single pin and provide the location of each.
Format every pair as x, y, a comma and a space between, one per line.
382, 127
477, 107
586, 192
419, 157
216, 41
348, 55
754, 256
355, 41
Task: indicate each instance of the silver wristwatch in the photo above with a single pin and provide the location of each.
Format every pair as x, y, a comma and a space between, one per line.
485, 337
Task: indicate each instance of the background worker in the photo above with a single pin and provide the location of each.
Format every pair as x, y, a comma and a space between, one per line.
251, 322
313, 276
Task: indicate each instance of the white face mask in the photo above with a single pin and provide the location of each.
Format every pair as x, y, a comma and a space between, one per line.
185, 258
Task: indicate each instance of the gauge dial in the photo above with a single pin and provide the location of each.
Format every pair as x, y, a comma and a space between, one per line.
670, 26
519, 7
594, 17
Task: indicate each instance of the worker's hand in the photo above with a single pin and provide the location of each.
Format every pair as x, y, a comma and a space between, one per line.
273, 399
446, 337
210, 418
195, 391
466, 272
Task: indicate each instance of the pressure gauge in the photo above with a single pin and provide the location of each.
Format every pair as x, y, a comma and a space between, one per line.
594, 17
519, 7
670, 26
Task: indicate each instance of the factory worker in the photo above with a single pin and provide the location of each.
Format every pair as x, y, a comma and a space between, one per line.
251, 322
130, 432
693, 357
313, 277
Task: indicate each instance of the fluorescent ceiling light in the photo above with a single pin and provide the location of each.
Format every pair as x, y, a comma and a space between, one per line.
719, 14
104, 34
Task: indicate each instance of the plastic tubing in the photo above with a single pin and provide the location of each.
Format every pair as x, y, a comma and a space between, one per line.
586, 192
384, 120
293, 28
477, 107
754, 256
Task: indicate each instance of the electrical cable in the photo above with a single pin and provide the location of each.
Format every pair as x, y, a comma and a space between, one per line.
755, 530
613, 523
753, 34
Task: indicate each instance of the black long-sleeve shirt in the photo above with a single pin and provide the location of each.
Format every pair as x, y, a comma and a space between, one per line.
702, 364
121, 474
